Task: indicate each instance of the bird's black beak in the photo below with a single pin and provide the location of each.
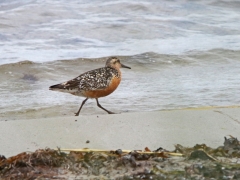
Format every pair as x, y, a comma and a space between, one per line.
123, 66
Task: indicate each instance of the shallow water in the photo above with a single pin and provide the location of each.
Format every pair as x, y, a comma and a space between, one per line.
182, 54
155, 82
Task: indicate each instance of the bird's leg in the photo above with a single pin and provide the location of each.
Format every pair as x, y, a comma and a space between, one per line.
99, 105
77, 113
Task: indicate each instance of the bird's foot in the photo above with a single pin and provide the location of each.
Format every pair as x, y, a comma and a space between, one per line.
109, 112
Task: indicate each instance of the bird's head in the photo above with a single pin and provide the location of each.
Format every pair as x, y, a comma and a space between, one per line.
115, 63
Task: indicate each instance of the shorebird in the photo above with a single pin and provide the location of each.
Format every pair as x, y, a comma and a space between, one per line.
95, 83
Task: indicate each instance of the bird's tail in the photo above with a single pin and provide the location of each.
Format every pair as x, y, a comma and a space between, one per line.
64, 87
58, 87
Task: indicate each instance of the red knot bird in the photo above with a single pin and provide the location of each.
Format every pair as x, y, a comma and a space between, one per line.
95, 83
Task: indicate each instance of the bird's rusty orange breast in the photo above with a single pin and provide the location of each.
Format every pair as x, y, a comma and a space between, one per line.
104, 92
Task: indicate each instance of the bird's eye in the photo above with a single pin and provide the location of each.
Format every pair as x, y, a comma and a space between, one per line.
116, 61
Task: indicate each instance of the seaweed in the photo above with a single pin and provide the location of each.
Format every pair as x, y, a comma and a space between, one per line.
198, 162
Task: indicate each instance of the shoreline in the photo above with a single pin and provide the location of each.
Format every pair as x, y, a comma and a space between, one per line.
124, 131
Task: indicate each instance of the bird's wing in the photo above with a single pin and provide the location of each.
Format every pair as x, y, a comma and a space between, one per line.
96, 79
92, 80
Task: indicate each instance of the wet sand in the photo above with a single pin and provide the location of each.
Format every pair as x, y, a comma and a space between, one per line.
126, 131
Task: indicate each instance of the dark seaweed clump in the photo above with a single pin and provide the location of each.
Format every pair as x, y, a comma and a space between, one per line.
198, 162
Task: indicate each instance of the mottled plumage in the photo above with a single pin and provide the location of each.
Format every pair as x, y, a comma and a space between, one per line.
96, 79
95, 83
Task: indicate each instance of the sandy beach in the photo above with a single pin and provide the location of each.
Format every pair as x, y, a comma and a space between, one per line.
126, 131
